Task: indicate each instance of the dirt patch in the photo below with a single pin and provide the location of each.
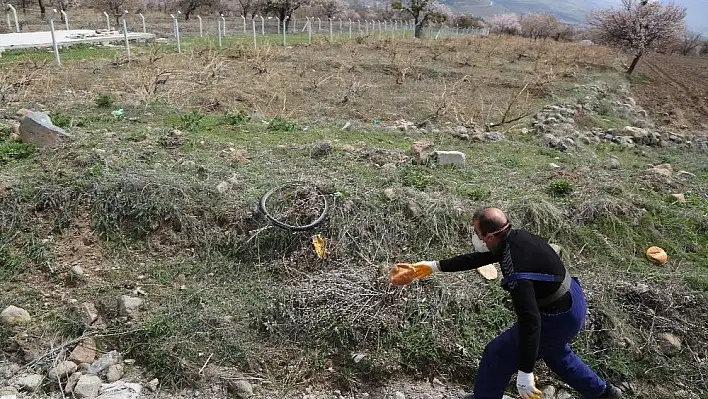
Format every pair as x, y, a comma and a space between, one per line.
677, 91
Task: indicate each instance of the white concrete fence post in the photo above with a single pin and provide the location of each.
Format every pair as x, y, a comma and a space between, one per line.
55, 47
66, 19
285, 30
125, 35
201, 29
243, 17
175, 26
108, 21
142, 18
218, 27
262, 25
253, 22
14, 14
223, 25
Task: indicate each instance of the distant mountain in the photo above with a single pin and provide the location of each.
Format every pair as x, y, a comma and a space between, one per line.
573, 11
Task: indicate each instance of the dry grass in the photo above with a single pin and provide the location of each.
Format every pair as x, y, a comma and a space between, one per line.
503, 79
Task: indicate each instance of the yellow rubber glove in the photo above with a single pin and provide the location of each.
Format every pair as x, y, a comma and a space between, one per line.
405, 273
526, 386
425, 269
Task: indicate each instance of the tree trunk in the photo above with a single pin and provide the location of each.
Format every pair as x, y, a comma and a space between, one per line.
418, 27
634, 64
42, 9
186, 14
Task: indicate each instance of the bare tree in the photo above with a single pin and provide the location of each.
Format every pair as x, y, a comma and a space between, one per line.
190, 6
422, 12
637, 26
537, 26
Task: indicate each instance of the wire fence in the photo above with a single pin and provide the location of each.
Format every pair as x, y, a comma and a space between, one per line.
172, 28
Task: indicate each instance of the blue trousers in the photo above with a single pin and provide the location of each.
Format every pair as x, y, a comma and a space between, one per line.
500, 358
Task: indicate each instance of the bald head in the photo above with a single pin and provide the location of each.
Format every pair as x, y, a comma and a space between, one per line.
490, 220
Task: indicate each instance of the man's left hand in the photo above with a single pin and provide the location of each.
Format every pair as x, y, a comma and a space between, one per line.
526, 386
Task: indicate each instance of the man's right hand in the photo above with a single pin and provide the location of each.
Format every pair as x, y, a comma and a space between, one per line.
405, 273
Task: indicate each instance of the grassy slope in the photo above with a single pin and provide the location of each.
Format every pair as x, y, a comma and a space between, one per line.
143, 205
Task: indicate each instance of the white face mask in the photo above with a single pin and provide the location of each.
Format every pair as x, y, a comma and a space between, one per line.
479, 245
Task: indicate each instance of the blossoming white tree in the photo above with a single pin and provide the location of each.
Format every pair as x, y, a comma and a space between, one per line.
638, 26
508, 24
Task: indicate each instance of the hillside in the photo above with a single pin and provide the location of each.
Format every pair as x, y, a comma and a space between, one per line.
572, 11
140, 233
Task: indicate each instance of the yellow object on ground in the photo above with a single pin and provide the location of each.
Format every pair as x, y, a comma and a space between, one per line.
657, 255
319, 244
402, 274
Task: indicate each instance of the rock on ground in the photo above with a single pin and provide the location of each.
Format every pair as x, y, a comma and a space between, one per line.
37, 128
104, 362
71, 382
13, 315
87, 387
422, 151
31, 382
85, 352
120, 390
115, 373
670, 344
455, 158
86, 312
612, 163
62, 370
241, 388
128, 306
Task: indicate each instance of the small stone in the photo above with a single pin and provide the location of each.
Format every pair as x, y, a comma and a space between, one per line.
86, 312
455, 158
348, 148
241, 388
414, 209
680, 198
62, 370
128, 306
554, 165
222, 187
549, 392
115, 373
612, 163
557, 248
152, 385
321, 149
10, 370
399, 395
84, 352
87, 387
564, 395
494, 136
460, 130
8, 392
77, 272
390, 194
669, 343
663, 170
346, 126
71, 382
12, 315
104, 362
422, 151
31, 382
